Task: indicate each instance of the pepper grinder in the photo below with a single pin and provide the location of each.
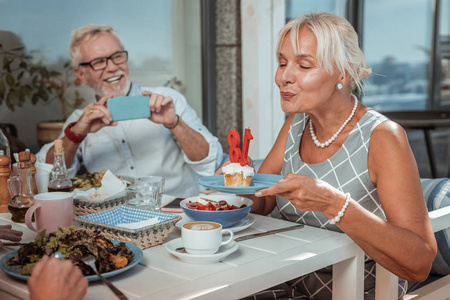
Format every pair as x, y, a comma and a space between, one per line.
5, 172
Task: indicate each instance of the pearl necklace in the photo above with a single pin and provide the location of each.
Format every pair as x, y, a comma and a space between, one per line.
327, 143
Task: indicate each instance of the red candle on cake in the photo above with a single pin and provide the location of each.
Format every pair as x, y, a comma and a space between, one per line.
238, 172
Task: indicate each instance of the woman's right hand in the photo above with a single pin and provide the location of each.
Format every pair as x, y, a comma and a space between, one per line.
53, 278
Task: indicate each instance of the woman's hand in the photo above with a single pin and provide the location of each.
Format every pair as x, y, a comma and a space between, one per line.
305, 193
7, 233
53, 278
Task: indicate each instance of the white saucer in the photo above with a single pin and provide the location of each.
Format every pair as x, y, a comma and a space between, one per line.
223, 252
239, 226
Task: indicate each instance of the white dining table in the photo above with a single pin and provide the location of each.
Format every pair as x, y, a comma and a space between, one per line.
257, 264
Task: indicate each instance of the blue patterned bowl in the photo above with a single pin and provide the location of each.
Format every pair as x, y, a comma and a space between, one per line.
226, 218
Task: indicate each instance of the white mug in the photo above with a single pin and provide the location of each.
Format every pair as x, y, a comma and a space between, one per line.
204, 238
42, 176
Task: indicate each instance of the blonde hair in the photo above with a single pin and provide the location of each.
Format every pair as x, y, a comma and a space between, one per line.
337, 45
84, 34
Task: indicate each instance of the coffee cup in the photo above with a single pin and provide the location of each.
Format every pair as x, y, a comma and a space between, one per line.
204, 238
50, 210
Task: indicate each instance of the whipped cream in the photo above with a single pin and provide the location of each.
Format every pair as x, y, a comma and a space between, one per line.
234, 168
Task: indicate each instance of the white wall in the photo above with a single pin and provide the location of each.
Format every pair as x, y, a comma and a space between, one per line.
261, 22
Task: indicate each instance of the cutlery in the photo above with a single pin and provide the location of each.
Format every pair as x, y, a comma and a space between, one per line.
89, 261
255, 235
14, 244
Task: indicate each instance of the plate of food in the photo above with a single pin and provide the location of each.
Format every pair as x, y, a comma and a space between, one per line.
94, 180
258, 182
112, 257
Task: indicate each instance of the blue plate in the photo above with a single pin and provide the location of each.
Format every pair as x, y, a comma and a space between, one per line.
15, 272
259, 181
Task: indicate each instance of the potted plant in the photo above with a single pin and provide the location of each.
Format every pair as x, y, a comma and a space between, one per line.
24, 79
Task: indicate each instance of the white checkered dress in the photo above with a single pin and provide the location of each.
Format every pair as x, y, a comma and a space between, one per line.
347, 171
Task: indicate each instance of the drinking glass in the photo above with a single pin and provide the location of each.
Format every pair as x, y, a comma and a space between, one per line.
149, 191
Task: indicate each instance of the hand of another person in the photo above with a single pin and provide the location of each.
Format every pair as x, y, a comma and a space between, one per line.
6, 233
219, 170
304, 192
53, 278
227, 162
95, 117
162, 109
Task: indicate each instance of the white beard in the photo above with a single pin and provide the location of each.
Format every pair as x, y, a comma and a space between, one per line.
101, 91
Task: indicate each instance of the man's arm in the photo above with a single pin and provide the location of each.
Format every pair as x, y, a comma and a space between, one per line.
193, 143
162, 107
70, 150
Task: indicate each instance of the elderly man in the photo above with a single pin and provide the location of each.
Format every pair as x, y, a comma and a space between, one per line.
172, 142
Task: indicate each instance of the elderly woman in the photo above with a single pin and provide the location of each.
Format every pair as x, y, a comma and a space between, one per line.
346, 167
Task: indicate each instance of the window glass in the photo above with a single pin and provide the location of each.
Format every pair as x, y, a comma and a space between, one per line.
162, 38
396, 41
444, 40
145, 28
294, 8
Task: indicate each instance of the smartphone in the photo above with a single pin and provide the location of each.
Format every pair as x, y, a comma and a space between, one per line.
173, 206
129, 107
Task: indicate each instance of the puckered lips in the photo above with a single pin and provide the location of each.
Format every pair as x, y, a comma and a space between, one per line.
287, 95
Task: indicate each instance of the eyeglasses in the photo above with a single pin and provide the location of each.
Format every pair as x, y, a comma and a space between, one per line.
102, 62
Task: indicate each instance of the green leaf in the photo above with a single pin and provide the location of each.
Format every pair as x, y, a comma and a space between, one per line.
6, 64
34, 99
2, 89
21, 97
54, 74
23, 64
10, 80
20, 76
12, 100
25, 90
43, 95
18, 49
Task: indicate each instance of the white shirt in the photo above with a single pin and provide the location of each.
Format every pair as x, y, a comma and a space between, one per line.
142, 148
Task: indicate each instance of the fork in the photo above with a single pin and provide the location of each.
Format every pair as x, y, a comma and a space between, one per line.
89, 261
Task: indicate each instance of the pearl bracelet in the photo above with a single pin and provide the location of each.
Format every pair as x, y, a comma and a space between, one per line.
341, 213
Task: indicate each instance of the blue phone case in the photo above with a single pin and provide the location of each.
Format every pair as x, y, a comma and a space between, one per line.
129, 107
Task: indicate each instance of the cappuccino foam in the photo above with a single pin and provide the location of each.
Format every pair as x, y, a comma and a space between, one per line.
201, 225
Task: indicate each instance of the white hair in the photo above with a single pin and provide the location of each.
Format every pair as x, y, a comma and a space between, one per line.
83, 34
337, 45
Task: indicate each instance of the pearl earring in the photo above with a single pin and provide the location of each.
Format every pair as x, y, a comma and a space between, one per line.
339, 85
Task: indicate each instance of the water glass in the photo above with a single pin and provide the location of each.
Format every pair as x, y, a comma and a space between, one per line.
149, 191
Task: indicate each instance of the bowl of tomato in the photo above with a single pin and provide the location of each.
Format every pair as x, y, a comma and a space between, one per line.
224, 209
